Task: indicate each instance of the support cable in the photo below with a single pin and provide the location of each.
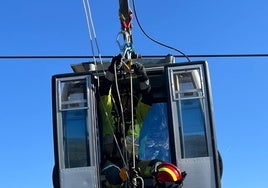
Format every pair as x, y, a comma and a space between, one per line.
87, 13
91, 27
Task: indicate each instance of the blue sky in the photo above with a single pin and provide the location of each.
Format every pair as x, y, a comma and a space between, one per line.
196, 27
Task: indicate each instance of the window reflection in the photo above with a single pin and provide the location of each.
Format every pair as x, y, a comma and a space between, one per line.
154, 137
75, 138
193, 129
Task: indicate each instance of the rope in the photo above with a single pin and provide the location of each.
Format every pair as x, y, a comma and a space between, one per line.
126, 50
90, 26
132, 168
114, 136
91, 31
122, 114
132, 121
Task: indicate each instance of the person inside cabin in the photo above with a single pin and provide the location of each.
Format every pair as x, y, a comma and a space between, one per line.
116, 111
163, 175
116, 108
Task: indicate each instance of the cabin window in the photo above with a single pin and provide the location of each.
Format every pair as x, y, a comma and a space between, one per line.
75, 139
73, 107
189, 96
73, 94
193, 129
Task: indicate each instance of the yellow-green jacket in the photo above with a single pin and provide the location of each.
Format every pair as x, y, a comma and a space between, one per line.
108, 121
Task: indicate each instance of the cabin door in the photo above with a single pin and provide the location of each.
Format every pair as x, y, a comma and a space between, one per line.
75, 133
193, 142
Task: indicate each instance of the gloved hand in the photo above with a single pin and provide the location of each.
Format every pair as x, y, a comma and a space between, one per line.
115, 63
109, 76
140, 71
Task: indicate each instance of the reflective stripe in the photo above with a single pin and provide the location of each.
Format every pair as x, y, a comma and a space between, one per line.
173, 175
109, 166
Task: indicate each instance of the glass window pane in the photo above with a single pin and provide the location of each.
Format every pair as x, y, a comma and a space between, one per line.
75, 138
73, 94
187, 84
193, 129
189, 96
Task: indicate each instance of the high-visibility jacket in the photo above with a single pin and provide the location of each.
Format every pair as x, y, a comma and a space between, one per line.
108, 120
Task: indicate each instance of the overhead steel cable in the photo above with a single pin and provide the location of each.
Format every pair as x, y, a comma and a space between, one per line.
145, 56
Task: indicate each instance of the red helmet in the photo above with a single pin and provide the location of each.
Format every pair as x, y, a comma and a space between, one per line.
167, 172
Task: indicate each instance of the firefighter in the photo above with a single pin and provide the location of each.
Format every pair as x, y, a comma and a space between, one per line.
115, 109
111, 120
163, 174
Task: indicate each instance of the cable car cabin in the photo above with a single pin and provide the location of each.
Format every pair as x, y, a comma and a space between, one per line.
179, 128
